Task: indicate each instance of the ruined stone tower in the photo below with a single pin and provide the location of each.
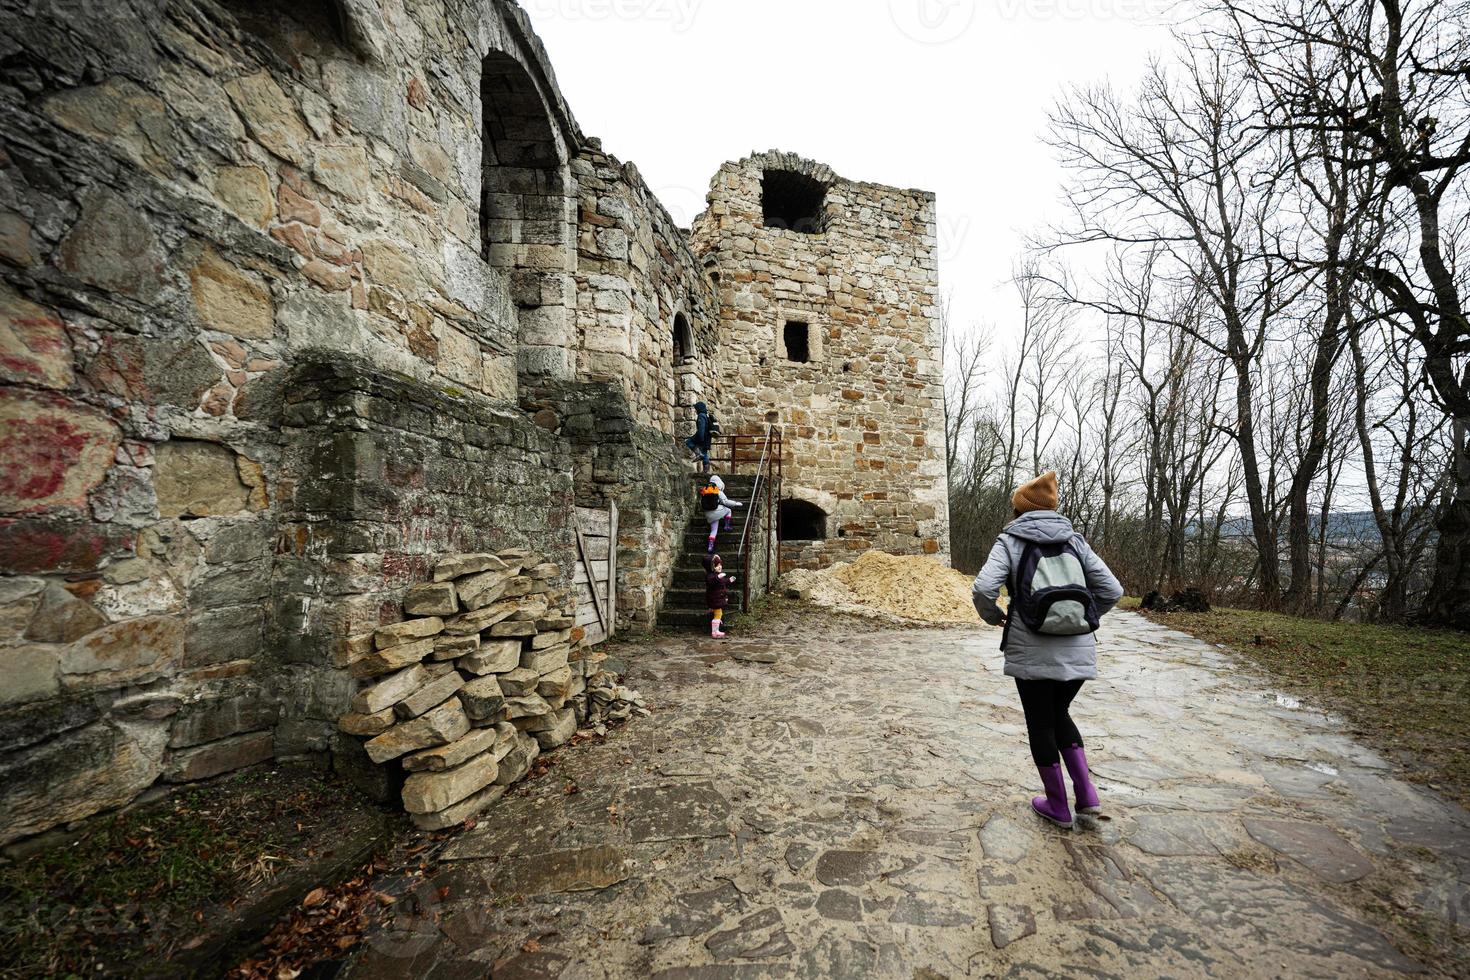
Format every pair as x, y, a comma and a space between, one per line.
828, 318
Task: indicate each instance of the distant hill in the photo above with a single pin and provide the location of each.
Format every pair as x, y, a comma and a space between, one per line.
1349, 525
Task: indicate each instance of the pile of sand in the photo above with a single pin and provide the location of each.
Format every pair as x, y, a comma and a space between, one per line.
912, 588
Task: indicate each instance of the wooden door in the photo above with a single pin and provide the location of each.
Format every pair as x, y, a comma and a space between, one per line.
594, 580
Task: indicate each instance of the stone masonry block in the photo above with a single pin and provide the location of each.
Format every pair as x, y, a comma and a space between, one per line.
440, 726
223, 756
434, 693
431, 599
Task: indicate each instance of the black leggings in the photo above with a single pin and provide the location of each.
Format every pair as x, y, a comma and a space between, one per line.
1048, 725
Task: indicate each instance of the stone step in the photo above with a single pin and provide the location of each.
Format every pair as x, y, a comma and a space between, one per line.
690, 597
692, 564
738, 479
699, 540
745, 509
694, 544
703, 531
684, 602
690, 619
740, 515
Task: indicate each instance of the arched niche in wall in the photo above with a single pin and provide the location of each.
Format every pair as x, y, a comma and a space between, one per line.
526, 209
683, 339
685, 386
802, 520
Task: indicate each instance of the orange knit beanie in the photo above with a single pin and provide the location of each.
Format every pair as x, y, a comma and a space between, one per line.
1039, 494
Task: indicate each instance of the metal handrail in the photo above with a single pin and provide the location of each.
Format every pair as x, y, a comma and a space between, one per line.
768, 474
755, 490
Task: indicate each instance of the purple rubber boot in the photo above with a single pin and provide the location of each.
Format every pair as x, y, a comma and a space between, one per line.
1053, 806
1082, 788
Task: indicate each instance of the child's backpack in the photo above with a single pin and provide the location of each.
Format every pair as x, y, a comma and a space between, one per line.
709, 497
1049, 590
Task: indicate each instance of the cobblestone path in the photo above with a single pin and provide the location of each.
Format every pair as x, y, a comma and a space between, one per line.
859, 807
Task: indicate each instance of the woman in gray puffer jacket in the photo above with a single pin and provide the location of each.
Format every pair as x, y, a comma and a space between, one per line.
1049, 667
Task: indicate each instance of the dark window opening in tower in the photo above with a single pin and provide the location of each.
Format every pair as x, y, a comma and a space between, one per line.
802, 521
796, 336
683, 338
793, 201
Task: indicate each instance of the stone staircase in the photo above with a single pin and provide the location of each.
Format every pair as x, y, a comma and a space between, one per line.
684, 605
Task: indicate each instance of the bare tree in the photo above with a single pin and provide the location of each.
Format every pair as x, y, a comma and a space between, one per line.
1177, 171
965, 359
1028, 421
1396, 108
1399, 452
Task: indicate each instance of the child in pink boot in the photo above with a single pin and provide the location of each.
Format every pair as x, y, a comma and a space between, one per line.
1058, 590
716, 592
716, 507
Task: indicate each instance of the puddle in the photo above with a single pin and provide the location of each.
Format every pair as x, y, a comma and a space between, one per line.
1322, 767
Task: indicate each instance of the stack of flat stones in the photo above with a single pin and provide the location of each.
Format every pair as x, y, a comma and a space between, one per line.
486, 670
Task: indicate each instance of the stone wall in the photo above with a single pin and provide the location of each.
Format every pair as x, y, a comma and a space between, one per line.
272, 283
297, 298
390, 474
618, 460
639, 284
863, 415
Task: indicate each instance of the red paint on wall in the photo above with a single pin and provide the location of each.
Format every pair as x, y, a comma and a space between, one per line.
45, 343
28, 547
54, 451
405, 569
38, 454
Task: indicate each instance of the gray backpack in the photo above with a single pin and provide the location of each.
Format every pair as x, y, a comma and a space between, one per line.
1049, 590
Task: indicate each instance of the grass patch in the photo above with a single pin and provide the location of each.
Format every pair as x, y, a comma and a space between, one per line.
1405, 690
139, 884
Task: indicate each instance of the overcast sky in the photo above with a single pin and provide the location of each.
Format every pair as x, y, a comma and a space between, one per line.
946, 95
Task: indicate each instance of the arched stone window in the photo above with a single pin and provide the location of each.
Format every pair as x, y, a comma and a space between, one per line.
802, 520
793, 201
683, 338
526, 212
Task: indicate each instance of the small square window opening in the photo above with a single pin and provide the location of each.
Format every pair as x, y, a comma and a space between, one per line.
797, 337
